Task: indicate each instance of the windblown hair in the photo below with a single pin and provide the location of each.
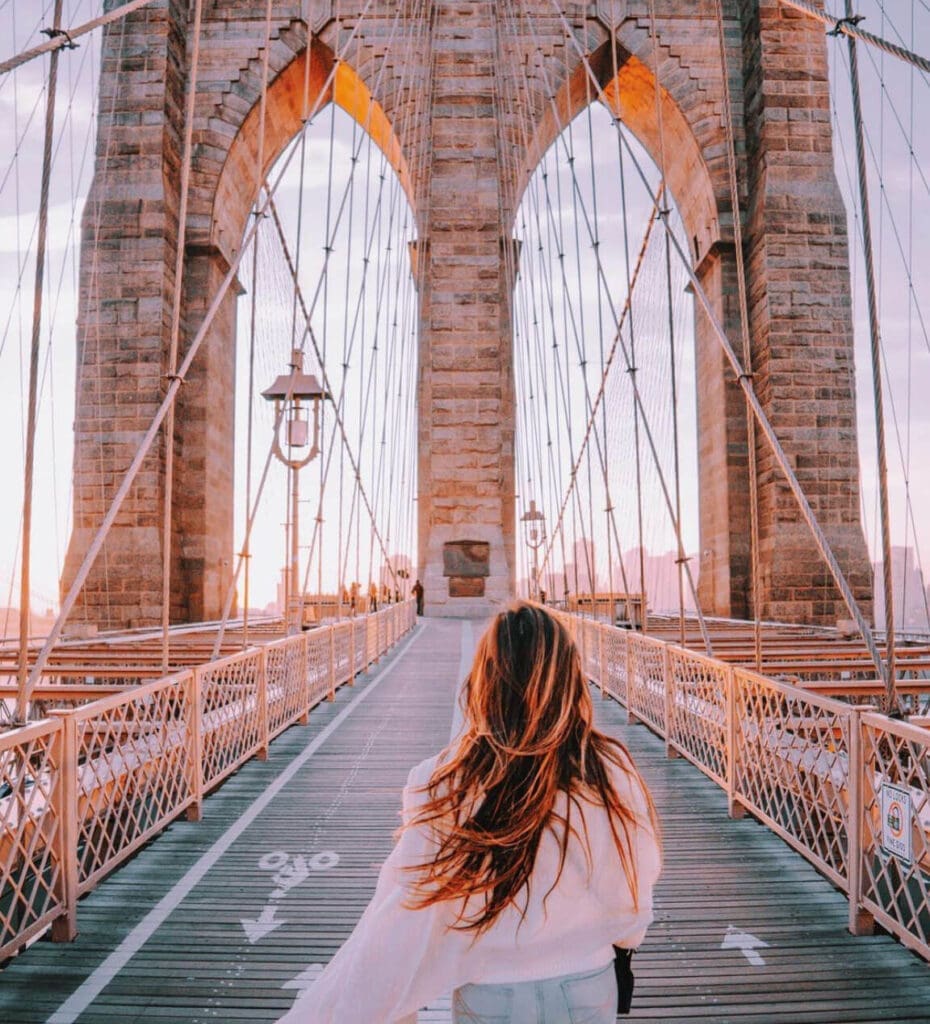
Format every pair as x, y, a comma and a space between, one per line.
528, 736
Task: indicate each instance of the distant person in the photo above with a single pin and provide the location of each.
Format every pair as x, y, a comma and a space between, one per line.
542, 597
353, 597
528, 852
373, 597
417, 590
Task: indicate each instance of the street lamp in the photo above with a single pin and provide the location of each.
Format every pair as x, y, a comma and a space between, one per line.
534, 533
288, 393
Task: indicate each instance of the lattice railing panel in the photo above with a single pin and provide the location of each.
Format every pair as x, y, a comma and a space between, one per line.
360, 641
286, 692
587, 642
231, 716
646, 689
895, 861
698, 705
30, 832
133, 771
792, 766
342, 652
382, 623
318, 661
614, 643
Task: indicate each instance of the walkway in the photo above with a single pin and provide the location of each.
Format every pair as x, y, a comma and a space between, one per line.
224, 920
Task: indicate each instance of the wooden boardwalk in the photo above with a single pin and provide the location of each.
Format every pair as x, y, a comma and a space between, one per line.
224, 920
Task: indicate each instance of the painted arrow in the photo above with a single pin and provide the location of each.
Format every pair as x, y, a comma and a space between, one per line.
305, 979
264, 925
746, 943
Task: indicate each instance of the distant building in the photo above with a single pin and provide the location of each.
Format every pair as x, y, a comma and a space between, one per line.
661, 580
911, 595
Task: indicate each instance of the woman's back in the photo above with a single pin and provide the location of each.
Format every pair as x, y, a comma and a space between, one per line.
529, 848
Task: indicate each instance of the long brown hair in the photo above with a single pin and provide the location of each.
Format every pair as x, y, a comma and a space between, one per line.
528, 736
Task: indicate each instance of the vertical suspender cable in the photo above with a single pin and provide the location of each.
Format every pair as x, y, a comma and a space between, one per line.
673, 369
755, 570
246, 554
178, 286
890, 700
631, 367
25, 566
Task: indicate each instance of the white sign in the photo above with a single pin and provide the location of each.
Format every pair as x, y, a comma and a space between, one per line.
896, 822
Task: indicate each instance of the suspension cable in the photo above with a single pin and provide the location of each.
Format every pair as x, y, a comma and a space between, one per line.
178, 287
66, 37
848, 26
890, 701
755, 568
26, 551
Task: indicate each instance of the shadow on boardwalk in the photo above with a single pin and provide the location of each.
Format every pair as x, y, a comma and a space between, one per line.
224, 920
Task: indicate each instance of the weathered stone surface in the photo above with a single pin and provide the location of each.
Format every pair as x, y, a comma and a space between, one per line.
475, 163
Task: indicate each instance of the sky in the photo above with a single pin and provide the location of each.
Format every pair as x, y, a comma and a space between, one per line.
897, 115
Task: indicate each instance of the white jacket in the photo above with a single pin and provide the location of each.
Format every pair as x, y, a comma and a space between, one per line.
397, 960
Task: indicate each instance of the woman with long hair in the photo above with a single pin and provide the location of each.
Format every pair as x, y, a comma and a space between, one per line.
528, 849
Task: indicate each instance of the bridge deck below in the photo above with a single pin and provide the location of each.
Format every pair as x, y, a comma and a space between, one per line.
223, 920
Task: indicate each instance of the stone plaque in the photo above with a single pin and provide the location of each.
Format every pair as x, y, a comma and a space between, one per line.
467, 558
466, 586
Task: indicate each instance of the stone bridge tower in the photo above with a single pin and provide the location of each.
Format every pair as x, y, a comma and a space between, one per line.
794, 231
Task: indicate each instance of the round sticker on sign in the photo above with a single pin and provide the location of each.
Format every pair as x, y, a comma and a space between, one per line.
896, 822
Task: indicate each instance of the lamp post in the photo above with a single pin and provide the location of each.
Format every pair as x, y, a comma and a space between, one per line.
534, 533
289, 392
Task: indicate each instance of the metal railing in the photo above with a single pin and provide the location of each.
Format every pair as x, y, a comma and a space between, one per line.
83, 789
846, 787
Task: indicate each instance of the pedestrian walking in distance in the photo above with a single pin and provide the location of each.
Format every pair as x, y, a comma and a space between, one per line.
528, 849
418, 594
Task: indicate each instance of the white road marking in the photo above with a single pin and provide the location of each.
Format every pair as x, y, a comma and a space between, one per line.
95, 983
746, 943
257, 928
466, 656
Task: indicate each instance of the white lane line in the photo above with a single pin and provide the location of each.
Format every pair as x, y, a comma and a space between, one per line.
88, 991
467, 653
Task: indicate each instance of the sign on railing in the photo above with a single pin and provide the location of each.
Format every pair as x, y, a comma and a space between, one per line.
83, 790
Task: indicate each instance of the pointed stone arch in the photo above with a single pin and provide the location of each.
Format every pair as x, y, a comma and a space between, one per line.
795, 246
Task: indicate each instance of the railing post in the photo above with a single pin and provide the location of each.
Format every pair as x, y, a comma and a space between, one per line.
600, 660
861, 922
64, 797
332, 663
195, 745
353, 653
305, 678
734, 807
262, 753
669, 681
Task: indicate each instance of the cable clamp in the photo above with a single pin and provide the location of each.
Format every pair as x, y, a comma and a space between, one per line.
683, 559
852, 21
56, 33
745, 376
172, 377
632, 369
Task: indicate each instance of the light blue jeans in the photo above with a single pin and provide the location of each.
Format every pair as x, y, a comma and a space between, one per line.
586, 998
